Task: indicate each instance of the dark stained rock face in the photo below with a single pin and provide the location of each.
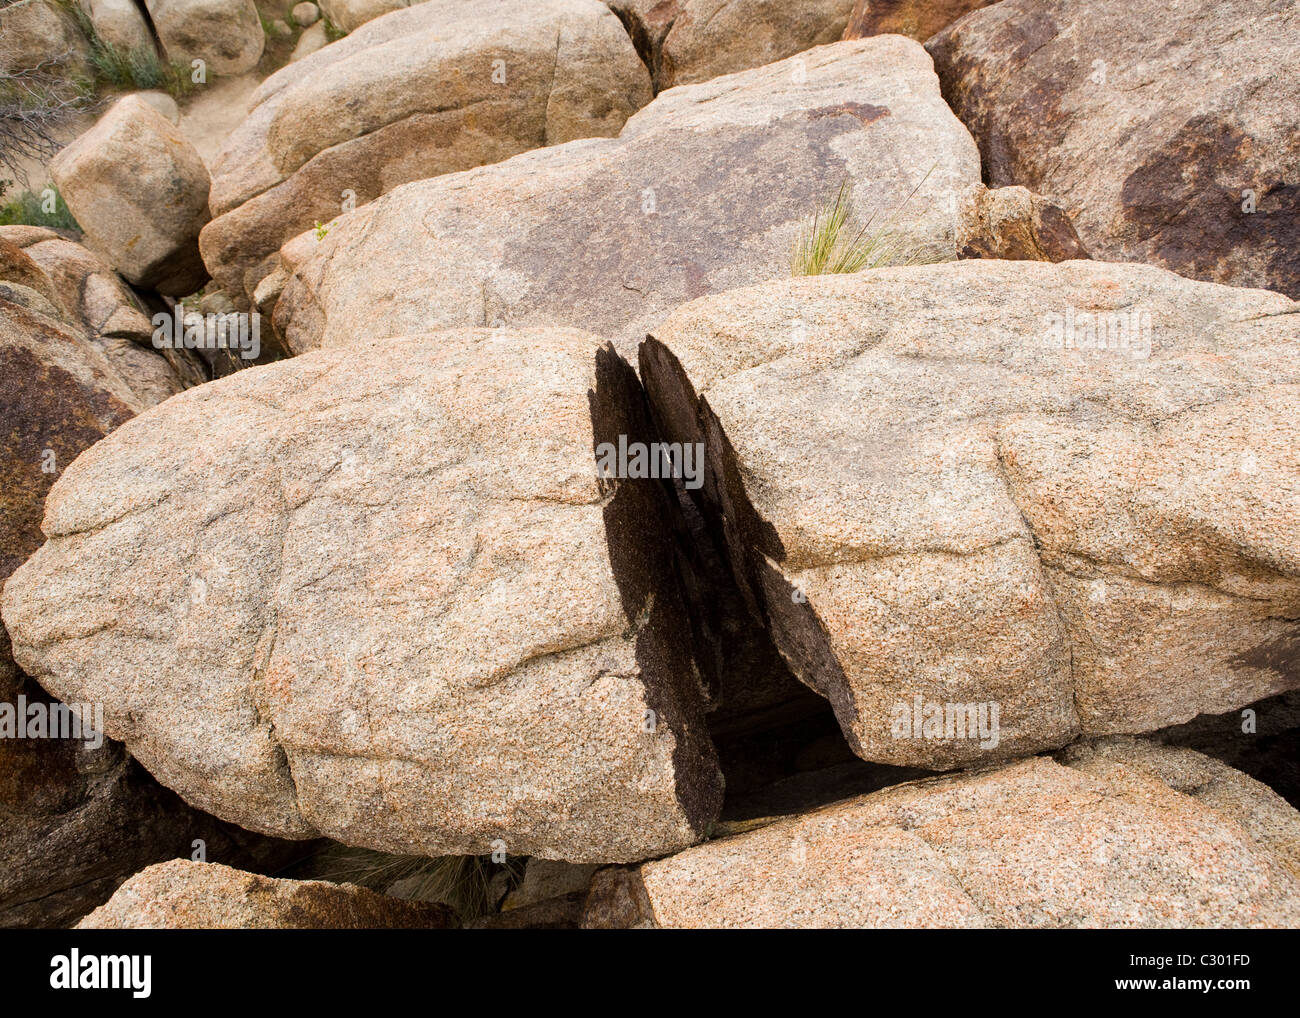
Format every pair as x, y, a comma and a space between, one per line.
1165, 131
77, 820
917, 19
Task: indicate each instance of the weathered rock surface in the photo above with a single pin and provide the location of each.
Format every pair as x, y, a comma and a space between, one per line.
1121, 834
1016, 224
916, 19
689, 41
225, 34
380, 594
1157, 126
63, 385
37, 34
139, 190
58, 395
705, 189
1262, 741
120, 24
109, 315
441, 87
1065, 491
184, 895
349, 15
76, 820
24, 282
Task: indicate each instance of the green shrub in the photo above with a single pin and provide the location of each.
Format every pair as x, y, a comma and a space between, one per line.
332, 31
27, 209
141, 68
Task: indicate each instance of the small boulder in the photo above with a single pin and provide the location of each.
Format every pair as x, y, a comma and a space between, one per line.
1015, 224
311, 40
139, 190
122, 25
40, 34
225, 34
185, 895
163, 103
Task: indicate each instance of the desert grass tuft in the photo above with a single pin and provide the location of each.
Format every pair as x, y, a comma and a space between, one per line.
140, 68
462, 881
833, 242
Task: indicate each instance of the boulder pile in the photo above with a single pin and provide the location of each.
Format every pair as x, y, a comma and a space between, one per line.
681, 464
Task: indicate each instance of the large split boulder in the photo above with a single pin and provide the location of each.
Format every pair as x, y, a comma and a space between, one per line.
443, 86
1170, 135
184, 895
381, 594
139, 190
705, 189
1063, 493
1120, 834
689, 41
226, 35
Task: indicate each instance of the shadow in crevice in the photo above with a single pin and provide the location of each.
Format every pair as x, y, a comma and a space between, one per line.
1261, 740
641, 552
748, 544
705, 624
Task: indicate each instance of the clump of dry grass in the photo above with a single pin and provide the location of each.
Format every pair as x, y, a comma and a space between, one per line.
465, 882
834, 242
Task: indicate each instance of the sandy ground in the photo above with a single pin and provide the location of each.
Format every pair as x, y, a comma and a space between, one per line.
214, 110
